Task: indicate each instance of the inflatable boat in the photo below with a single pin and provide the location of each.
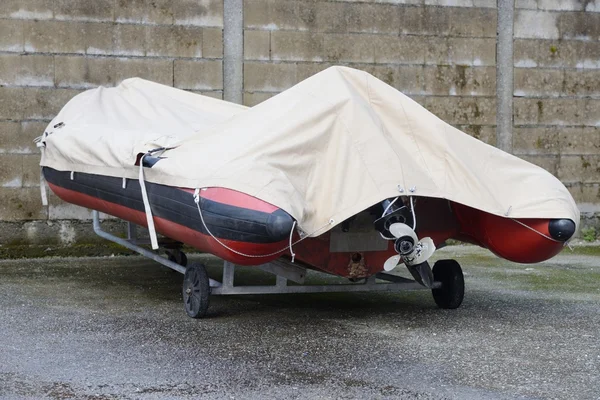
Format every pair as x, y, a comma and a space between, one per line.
341, 173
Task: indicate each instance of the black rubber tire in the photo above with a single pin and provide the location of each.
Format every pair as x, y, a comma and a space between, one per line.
196, 290
178, 256
452, 292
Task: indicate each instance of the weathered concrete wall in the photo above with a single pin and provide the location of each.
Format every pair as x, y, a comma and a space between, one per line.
557, 93
51, 50
442, 53
443, 57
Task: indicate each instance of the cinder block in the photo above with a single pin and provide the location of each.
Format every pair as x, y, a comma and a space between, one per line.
11, 103
354, 47
21, 204
390, 49
129, 40
460, 80
587, 54
98, 38
144, 11
44, 103
26, 70
527, 4
253, 98
77, 10
472, 22
485, 133
548, 162
27, 9
323, 16
557, 111
31, 170
372, 18
11, 170
12, 140
463, 110
451, 3
585, 194
212, 43
579, 25
579, 140
536, 140
484, 52
460, 51
54, 36
269, 77
11, 35
436, 51
174, 41
199, 75
271, 14
435, 21
155, 70
583, 168
546, 53
84, 72
536, 24
485, 3
198, 12
562, 5
298, 46
529, 82
257, 45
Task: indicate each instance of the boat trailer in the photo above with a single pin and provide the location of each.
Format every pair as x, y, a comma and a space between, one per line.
197, 286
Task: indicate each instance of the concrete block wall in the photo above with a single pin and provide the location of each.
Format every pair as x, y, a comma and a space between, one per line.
441, 53
557, 93
51, 50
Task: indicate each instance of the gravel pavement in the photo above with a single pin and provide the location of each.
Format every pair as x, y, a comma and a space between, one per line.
114, 328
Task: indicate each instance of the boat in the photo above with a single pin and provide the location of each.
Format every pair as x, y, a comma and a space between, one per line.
341, 174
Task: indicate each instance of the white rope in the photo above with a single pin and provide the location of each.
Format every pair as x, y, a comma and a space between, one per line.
149, 219
124, 183
389, 205
197, 201
72, 175
536, 231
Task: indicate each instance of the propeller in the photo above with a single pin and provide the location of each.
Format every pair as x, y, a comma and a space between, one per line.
411, 250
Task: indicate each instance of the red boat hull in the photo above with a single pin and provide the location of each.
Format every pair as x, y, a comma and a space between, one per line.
526, 241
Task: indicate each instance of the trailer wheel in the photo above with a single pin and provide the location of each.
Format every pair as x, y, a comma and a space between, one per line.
450, 295
196, 290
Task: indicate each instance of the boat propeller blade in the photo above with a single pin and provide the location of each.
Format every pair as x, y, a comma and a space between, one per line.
391, 263
411, 250
399, 230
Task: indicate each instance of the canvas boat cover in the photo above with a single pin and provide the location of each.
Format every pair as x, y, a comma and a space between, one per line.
323, 150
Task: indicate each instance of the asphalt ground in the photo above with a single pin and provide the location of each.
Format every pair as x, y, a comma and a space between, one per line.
114, 328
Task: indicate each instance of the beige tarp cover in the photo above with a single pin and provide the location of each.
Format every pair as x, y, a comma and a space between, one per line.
323, 150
